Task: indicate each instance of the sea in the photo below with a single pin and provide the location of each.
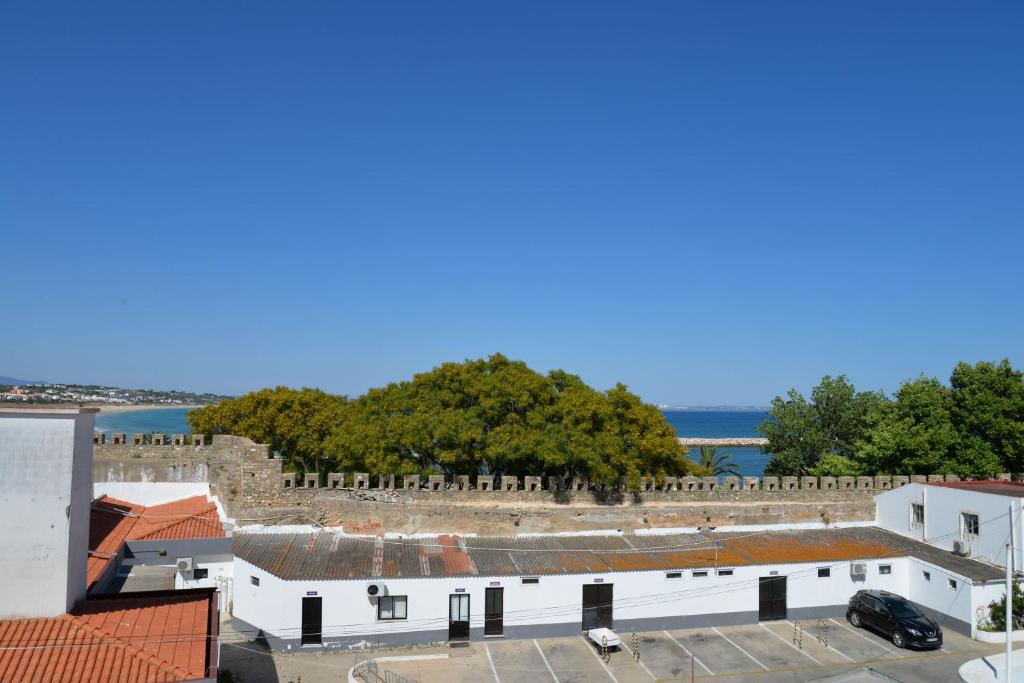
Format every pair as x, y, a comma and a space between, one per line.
694, 423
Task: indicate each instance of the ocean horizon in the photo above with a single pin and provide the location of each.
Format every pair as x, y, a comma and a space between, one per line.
710, 423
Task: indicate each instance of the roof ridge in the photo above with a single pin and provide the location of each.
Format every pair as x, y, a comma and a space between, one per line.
130, 649
164, 526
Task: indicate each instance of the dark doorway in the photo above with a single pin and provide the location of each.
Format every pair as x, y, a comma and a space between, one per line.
494, 609
597, 606
772, 602
458, 616
312, 620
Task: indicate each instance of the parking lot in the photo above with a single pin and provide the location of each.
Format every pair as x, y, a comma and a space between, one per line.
770, 652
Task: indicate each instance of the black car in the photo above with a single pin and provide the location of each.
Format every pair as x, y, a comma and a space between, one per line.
895, 617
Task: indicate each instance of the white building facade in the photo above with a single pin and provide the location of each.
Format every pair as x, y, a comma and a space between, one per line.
46, 491
288, 586
974, 518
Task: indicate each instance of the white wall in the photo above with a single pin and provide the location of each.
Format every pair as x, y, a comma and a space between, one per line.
216, 571
942, 508
275, 605
149, 493
45, 493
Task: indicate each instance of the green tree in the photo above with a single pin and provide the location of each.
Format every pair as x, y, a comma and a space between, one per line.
710, 463
915, 434
800, 432
499, 416
832, 465
988, 412
295, 422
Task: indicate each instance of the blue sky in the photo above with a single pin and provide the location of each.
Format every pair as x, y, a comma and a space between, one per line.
711, 202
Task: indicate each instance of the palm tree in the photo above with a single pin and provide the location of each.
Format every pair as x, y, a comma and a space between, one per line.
712, 462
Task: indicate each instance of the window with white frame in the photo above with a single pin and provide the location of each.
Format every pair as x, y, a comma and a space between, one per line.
970, 525
885, 569
916, 515
390, 607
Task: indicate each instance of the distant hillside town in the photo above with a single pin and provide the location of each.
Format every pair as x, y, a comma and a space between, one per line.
94, 394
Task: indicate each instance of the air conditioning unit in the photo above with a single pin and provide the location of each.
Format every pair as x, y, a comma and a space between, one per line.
858, 569
962, 548
375, 590
184, 564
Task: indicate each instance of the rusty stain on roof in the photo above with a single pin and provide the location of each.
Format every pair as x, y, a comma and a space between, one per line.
371, 557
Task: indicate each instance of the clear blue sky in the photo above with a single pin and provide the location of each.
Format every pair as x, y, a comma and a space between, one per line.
711, 202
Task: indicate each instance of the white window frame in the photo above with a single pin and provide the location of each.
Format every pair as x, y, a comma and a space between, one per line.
964, 534
914, 524
391, 599
886, 567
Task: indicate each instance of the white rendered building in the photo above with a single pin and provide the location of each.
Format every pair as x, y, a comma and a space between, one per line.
324, 589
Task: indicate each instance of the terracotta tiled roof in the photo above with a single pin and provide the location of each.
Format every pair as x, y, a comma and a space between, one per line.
114, 521
1013, 489
148, 637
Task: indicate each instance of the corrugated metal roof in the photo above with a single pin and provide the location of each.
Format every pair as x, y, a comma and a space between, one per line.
328, 555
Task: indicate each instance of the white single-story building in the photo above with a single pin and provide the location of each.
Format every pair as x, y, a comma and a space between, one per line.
321, 588
971, 518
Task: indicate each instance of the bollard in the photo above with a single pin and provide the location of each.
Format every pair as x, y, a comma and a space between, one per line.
604, 649
636, 648
798, 634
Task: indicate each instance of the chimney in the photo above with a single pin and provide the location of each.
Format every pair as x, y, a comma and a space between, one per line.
45, 495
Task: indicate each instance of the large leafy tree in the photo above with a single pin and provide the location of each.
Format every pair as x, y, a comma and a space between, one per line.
915, 434
295, 422
488, 415
801, 432
988, 411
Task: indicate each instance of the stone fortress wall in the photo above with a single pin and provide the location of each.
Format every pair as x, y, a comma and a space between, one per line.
249, 480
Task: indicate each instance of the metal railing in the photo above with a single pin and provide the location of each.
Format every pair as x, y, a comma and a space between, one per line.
367, 670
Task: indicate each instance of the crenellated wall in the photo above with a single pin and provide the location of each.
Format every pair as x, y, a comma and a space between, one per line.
251, 484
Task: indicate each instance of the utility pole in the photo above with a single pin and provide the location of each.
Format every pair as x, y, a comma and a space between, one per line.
1009, 602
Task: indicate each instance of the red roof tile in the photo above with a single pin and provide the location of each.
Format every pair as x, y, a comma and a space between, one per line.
999, 488
149, 637
113, 522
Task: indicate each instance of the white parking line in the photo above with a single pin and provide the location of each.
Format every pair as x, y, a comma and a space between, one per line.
699, 663
491, 662
805, 654
550, 670
861, 635
731, 642
635, 659
838, 652
594, 652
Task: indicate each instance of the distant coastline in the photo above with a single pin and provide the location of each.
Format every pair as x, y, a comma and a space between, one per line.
135, 407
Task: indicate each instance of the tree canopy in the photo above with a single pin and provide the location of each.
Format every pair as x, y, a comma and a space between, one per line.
974, 426
488, 415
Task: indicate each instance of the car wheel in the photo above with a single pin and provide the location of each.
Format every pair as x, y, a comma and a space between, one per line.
898, 640
855, 618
